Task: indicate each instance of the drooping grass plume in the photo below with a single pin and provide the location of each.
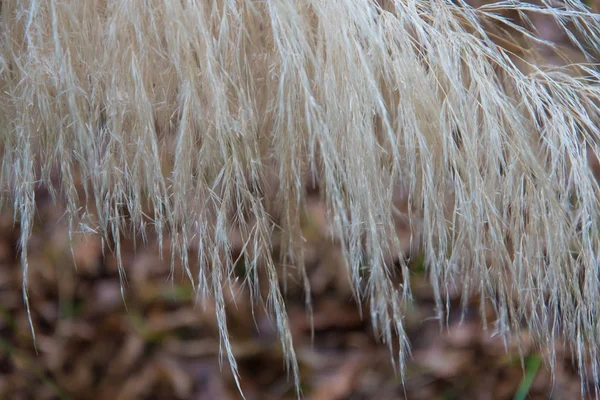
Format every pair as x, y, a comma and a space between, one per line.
176, 115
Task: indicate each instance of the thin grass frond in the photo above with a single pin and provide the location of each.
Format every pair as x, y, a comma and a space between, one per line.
176, 115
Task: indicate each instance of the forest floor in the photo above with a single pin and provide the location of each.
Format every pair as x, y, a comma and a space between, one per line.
161, 343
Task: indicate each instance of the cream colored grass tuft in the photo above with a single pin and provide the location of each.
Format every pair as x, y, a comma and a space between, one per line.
185, 108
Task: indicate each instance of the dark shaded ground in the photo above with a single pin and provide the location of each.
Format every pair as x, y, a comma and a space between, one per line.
160, 344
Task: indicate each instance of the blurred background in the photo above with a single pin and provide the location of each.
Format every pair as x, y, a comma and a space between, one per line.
156, 341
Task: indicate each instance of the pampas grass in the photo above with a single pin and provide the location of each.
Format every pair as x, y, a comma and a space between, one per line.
176, 115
